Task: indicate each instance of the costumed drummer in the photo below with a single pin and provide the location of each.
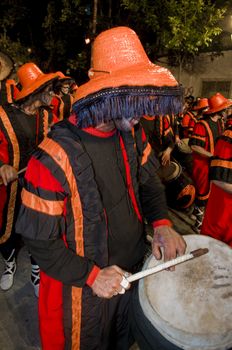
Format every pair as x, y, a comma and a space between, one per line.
86, 192
160, 136
202, 143
217, 221
22, 127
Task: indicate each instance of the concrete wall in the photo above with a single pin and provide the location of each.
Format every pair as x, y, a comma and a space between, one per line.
205, 69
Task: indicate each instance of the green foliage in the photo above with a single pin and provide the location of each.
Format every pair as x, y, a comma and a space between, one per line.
15, 50
52, 32
192, 25
178, 25
176, 28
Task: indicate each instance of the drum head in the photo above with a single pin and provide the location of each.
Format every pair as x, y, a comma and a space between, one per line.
169, 172
184, 146
192, 306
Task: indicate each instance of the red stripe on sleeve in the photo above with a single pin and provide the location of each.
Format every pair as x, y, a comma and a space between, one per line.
163, 222
92, 276
39, 176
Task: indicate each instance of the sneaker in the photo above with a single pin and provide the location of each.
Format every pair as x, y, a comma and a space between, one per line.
199, 213
35, 278
7, 278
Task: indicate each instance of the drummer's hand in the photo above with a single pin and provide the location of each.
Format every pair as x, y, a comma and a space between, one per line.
172, 243
8, 173
165, 159
178, 141
107, 283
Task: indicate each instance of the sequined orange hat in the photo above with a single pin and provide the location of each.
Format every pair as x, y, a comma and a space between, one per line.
32, 79
218, 103
124, 83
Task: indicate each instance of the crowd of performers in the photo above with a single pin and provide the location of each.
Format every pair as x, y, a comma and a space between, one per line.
194, 150
190, 140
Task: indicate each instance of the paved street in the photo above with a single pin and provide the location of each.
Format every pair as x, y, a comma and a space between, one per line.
18, 321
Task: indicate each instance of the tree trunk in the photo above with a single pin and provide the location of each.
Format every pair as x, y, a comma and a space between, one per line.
94, 26
95, 3
180, 69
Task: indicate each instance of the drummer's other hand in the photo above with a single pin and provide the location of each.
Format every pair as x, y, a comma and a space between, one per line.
8, 173
108, 282
173, 243
165, 159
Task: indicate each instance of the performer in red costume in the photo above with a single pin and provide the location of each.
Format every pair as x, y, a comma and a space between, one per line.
202, 142
217, 222
23, 124
87, 191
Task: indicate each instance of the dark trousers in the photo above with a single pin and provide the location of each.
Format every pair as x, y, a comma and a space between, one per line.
13, 242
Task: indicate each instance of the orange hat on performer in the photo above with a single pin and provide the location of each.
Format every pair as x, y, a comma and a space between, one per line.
32, 80
218, 103
62, 77
124, 83
202, 103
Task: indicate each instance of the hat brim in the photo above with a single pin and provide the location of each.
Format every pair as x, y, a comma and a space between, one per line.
128, 102
68, 79
223, 106
134, 91
36, 85
147, 74
199, 108
6, 66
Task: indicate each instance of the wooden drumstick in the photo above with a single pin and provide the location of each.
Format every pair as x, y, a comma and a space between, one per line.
167, 264
18, 173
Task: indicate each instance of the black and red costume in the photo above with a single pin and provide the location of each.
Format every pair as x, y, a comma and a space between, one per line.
204, 135
217, 222
76, 196
19, 136
187, 124
61, 106
159, 132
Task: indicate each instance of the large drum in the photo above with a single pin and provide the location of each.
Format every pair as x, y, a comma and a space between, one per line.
183, 154
190, 308
180, 191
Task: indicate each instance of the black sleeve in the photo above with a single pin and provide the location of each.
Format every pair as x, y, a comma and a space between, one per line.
59, 262
168, 141
153, 199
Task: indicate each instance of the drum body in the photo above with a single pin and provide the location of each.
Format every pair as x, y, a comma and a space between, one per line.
180, 191
190, 308
183, 154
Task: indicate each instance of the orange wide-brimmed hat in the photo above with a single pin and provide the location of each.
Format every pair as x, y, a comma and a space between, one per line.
63, 77
202, 103
124, 82
32, 80
218, 103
